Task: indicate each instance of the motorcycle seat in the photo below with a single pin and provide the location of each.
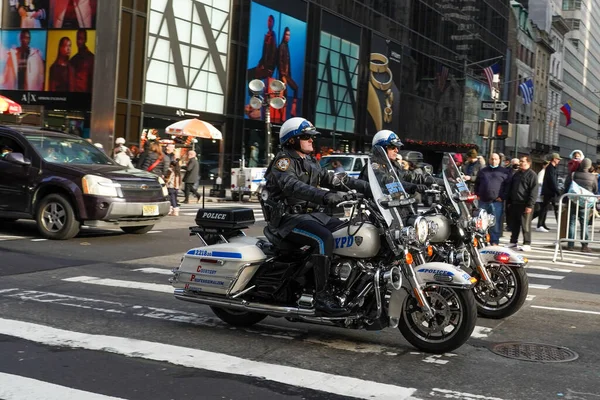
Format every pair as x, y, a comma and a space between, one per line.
280, 243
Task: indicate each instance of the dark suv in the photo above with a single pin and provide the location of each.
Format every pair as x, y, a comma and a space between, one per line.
64, 182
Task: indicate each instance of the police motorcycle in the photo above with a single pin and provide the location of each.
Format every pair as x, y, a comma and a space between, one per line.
462, 240
373, 275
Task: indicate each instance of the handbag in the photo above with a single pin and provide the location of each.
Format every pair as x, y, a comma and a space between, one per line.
575, 188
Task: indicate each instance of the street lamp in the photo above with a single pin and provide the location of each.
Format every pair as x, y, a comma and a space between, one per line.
261, 98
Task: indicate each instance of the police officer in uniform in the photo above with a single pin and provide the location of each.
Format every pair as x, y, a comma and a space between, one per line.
294, 180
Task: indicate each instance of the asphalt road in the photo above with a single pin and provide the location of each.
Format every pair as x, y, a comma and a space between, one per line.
93, 318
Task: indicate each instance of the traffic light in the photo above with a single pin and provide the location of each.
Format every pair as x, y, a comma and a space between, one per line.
502, 130
485, 127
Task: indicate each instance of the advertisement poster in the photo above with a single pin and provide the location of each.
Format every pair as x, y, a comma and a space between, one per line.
277, 49
16, 45
385, 78
70, 61
337, 83
47, 52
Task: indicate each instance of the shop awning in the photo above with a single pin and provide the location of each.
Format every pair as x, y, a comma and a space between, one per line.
8, 106
194, 127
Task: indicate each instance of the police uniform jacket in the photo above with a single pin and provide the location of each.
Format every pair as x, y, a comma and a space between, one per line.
295, 183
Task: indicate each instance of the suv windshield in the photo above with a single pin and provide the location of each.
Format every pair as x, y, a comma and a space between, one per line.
61, 150
344, 160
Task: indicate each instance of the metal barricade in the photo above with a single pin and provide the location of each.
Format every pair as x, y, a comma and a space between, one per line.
576, 214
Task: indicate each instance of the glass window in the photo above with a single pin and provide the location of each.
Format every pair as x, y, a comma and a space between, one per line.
8, 145
358, 165
62, 150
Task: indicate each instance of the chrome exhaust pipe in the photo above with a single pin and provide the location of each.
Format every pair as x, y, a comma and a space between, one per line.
242, 305
393, 278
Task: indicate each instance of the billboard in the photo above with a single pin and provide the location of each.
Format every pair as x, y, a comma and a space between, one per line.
47, 52
276, 50
187, 54
337, 83
385, 84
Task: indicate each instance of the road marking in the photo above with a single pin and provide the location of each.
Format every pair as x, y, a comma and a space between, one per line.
568, 310
451, 394
155, 232
14, 387
571, 255
538, 258
481, 332
549, 268
568, 264
543, 276
38, 240
153, 287
542, 287
162, 271
200, 359
530, 297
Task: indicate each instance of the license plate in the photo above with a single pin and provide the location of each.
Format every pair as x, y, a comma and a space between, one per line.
150, 210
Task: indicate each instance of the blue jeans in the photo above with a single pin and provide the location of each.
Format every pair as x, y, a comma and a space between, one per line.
583, 217
496, 208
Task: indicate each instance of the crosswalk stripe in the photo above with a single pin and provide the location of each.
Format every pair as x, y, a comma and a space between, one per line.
530, 297
570, 254
567, 309
543, 276
162, 271
535, 286
575, 265
549, 269
15, 387
201, 359
539, 257
92, 280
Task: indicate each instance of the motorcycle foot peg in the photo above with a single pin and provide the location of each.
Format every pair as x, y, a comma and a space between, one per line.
306, 301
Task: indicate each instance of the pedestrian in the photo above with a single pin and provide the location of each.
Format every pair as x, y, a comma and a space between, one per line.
471, 168
540, 198
170, 153
122, 158
575, 159
491, 188
587, 180
513, 166
155, 160
337, 166
173, 182
522, 193
192, 174
550, 192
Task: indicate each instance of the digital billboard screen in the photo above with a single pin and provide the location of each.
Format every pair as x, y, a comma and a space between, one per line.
276, 50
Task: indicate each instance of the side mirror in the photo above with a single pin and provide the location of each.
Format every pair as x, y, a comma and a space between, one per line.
427, 169
340, 178
17, 158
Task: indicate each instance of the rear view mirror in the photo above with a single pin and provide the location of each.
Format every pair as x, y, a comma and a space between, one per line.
339, 178
17, 158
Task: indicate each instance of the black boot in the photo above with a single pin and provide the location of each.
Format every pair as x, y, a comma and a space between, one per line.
324, 300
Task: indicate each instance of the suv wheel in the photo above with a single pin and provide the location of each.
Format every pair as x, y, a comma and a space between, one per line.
137, 230
55, 218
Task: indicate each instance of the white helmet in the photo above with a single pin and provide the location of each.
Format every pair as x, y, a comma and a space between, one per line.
386, 138
120, 140
296, 126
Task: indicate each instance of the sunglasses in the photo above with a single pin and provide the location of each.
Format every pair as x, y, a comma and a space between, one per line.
305, 137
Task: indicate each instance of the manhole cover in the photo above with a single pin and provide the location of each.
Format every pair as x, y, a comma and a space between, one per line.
534, 352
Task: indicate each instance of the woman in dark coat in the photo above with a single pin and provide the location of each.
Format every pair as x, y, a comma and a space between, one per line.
155, 161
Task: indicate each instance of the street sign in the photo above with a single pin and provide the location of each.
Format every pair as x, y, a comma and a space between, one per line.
501, 105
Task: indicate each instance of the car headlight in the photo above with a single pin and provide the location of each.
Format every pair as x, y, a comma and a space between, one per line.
421, 229
99, 186
163, 186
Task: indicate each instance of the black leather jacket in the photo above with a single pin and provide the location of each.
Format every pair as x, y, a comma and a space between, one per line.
294, 189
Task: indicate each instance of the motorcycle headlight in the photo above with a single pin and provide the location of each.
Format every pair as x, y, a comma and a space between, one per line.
421, 229
163, 186
99, 186
481, 222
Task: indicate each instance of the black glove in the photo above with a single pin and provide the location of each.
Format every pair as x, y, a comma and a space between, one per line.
410, 188
421, 188
335, 198
429, 180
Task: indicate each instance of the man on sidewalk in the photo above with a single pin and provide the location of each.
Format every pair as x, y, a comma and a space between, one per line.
192, 174
522, 193
550, 192
490, 186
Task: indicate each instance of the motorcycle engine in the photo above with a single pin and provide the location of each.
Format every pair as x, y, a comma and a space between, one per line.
341, 269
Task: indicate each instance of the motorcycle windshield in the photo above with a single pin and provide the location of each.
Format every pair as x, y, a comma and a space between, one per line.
453, 180
385, 183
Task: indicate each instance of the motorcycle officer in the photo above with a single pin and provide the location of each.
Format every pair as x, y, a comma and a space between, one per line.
390, 142
296, 200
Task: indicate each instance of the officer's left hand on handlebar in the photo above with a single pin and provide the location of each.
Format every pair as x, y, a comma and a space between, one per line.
334, 198
421, 188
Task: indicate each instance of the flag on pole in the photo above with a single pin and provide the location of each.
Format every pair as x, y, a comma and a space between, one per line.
527, 91
489, 74
442, 76
566, 109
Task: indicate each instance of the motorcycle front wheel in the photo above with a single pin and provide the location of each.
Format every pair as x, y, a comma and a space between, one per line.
512, 286
455, 315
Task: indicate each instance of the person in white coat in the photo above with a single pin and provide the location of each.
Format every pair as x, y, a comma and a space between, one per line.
24, 68
122, 158
81, 15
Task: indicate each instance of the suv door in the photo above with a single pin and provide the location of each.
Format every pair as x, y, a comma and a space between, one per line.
14, 178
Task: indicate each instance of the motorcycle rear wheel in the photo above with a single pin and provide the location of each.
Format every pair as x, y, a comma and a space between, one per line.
237, 317
452, 325
511, 283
